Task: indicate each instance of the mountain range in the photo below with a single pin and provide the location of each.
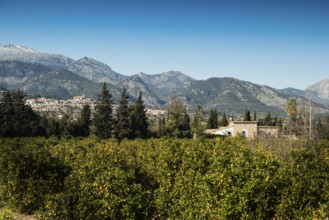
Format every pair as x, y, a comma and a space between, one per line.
53, 75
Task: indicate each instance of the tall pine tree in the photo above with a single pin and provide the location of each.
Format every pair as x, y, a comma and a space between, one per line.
224, 121
85, 120
185, 127
122, 127
213, 119
197, 124
159, 127
138, 120
247, 116
17, 118
210, 124
6, 115
103, 115
255, 116
268, 120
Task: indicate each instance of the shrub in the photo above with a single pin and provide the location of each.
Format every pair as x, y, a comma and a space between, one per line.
28, 172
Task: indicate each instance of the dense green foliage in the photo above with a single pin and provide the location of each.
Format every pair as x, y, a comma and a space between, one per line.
5, 214
228, 178
29, 172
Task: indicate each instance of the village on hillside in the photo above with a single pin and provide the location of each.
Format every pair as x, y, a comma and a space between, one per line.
73, 107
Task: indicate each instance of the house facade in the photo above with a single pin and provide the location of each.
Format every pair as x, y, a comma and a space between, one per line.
248, 129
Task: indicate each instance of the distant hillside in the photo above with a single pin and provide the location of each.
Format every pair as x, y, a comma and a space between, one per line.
291, 92
320, 91
36, 79
167, 83
234, 96
134, 85
15, 74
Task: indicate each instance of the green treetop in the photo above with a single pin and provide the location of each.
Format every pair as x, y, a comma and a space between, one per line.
138, 120
247, 116
122, 128
212, 120
224, 121
85, 120
197, 124
178, 119
17, 118
103, 116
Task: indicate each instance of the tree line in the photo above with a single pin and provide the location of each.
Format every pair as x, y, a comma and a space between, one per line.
125, 122
130, 121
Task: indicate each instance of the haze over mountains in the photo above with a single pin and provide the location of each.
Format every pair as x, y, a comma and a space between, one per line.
53, 75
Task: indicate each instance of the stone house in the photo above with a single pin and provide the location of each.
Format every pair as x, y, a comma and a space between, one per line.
248, 129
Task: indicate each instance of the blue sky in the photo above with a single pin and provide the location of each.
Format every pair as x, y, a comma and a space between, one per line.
273, 42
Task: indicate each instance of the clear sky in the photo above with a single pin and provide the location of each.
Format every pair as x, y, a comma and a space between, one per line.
280, 43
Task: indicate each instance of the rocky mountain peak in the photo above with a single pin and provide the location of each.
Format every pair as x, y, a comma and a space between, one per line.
28, 55
92, 63
95, 70
16, 48
321, 89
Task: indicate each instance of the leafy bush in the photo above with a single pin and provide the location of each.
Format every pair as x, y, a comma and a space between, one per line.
5, 214
28, 172
165, 178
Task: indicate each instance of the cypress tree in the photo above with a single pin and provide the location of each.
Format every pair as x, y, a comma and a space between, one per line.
103, 115
6, 115
224, 121
197, 125
17, 118
160, 127
163, 126
186, 128
210, 124
213, 119
122, 128
268, 120
138, 120
26, 121
85, 120
247, 116
215, 122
